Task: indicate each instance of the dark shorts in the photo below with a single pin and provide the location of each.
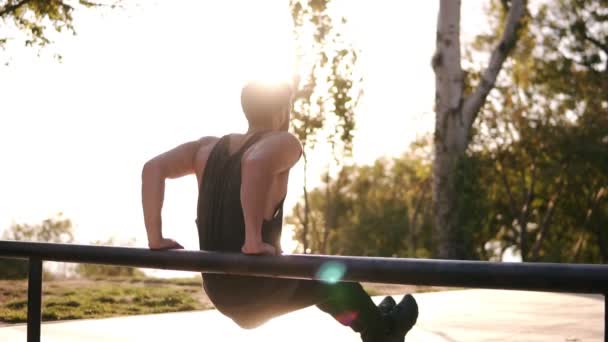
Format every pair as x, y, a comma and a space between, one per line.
251, 301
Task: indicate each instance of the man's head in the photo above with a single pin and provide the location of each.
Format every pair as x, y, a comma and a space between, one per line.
267, 106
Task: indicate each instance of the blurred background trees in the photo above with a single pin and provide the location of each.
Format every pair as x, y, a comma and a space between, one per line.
533, 179
380, 209
95, 271
58, 229
54, 229
544, 137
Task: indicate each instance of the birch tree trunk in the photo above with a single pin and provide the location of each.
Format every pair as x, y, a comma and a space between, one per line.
455, 114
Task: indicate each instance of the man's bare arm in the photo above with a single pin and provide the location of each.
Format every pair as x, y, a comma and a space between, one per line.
269, 158
175, 163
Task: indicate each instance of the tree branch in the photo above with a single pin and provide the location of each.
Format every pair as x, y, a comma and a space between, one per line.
546, 220
600, 45
529, 195
594, 41
593, 202
505, 182
525, 213
8, 9
475, 101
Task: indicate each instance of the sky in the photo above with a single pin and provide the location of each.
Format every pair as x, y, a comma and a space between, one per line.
137, 81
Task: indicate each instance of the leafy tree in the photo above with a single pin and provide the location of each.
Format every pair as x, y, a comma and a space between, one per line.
33, 21
578, 33
542, 135
328, 94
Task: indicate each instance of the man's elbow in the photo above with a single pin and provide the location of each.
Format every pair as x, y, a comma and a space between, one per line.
152, 169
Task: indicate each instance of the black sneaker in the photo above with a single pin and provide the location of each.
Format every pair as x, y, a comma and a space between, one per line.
386, 305
403, 317
380, 334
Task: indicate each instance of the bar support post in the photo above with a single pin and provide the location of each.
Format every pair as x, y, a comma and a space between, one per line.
34, 299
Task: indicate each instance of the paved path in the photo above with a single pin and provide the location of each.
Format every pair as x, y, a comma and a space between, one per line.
468, 316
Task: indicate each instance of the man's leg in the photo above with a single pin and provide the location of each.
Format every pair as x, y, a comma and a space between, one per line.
350, 305
347, 302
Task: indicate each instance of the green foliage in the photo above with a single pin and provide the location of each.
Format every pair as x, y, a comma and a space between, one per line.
13, 269
55, 229
33, 18
328, 61
33, 21
542, 139
534, 176
381, 210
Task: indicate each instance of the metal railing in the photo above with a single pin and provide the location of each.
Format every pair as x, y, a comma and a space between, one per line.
572, 278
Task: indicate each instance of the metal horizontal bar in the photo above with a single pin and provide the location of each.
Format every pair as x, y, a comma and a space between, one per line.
580, 278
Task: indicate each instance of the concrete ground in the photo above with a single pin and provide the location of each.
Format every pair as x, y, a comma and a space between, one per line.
467, 315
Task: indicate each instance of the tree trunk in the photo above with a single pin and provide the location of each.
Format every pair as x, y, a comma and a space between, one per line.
449, 243
450, 133
455, 115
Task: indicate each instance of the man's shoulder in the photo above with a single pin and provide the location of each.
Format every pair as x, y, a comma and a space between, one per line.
283, 138
274, 144
282, 143
205, 145
208, 140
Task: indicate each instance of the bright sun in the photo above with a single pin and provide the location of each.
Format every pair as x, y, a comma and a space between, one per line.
268, 41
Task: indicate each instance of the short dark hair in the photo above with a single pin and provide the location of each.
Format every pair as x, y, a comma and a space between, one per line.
260, 101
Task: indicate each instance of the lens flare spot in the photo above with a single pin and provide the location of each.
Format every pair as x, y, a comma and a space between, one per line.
331, 272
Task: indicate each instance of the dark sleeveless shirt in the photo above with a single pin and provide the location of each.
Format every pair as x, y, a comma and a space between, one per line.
221, 227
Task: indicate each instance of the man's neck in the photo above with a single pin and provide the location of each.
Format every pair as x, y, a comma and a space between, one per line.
253, 130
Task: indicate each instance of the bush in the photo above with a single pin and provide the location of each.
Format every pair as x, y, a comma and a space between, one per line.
13, 269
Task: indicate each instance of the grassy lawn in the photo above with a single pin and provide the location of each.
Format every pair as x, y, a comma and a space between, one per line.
111, 297
97, 298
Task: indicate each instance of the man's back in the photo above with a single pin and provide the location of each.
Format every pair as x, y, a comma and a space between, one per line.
220, 217
234, 144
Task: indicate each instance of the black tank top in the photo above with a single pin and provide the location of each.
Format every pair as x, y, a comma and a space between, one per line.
220, 220
221, 227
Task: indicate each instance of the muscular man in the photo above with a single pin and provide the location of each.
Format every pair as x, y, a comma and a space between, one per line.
242, 182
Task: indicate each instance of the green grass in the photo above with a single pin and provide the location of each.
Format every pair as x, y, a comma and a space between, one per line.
64, 300
122, 296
